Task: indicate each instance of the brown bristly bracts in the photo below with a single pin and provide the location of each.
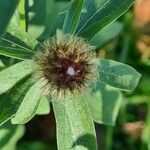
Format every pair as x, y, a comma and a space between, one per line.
67, 65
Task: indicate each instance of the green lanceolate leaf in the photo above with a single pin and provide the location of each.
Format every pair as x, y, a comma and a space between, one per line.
16, 31
7, 9
10, 76
10, 41
91, 7
111, 10
44, 107
100, 3
15, 53
29, 105
89, 10
75, 128
104, 102
10, 101
118, 75
107, 34
73, 16
9, 136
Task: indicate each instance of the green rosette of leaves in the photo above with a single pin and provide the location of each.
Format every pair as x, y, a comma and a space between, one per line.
23, 93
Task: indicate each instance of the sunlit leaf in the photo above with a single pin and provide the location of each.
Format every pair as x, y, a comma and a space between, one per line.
10, 101
10, 76
103, 16
74, 123
118, 75
29, 105
22, 18
44, 107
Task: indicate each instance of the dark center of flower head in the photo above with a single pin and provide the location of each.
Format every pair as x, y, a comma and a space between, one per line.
66, 66
68, 71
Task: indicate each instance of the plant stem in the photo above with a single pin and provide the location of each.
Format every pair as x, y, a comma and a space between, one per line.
22, 18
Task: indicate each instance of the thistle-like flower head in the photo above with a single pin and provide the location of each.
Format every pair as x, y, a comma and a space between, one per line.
67, 65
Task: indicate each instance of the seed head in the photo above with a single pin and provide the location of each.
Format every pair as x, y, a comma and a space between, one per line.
66, 65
